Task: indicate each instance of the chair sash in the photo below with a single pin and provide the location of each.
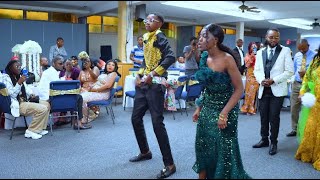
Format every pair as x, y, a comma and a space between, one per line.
4, 92
63, 92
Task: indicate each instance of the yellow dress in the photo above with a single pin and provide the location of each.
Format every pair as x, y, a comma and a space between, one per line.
252, 86
309, 148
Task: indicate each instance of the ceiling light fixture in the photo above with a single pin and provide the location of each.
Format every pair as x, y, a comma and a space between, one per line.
218, 7
294, 22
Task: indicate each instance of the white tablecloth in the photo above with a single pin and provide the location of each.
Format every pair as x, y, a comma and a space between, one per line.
129, 85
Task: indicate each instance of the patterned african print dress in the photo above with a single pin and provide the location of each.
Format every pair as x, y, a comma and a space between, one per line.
217, 150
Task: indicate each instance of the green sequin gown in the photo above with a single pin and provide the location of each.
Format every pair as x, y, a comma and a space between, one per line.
217, 151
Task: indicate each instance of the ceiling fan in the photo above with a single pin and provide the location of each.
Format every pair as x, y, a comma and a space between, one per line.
315, 24
247, 8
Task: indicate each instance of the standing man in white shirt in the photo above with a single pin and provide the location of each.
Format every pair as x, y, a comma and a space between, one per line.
57, 50
238, 50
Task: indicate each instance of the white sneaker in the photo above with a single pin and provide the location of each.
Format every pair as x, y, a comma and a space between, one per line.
33, 135
43, 132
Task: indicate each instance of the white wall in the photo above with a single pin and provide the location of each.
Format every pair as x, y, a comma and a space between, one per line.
96, 40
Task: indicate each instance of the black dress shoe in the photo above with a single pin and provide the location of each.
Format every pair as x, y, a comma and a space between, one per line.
292, 133
166, 172
261, 143
141, 157
273, 149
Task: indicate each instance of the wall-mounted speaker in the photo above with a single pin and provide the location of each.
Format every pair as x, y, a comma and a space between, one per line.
140, 14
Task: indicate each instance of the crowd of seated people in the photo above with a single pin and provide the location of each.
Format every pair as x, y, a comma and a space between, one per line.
94, 86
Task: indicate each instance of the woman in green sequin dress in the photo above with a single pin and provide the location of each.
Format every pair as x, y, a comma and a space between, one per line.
217, 149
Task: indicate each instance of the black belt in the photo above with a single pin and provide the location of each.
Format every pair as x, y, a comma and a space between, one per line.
298, 82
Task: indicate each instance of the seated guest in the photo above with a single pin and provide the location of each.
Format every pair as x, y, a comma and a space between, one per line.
69, 72
52, 74
44, 65
88, 74
101, 89
15, 58
180, 63
75, 62
20, 96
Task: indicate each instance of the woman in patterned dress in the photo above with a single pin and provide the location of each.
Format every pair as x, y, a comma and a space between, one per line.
252, 86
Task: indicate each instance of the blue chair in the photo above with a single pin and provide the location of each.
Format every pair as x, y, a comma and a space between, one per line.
5, 102
63, 97
106, 103
131, 94
179, 94
193, 91
118, 89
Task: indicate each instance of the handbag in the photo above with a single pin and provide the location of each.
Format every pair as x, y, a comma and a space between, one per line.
34, 99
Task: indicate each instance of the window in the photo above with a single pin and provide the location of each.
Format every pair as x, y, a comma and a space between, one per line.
110, 24
230, 31
64, 17
34, 15
197, 31
11, 14
94, 24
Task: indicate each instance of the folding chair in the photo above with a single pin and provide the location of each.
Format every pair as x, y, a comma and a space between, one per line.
106, 103
194, 90
131, 94
118, 89
63, 97
5, 102
179, 93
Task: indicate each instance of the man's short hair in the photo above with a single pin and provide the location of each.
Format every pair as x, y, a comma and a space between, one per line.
239, 40
193, 38
304, 41
59, 38
160, 17
273, 29
57, 58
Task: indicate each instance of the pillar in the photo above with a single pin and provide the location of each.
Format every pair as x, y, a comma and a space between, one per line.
240, 31
122, 30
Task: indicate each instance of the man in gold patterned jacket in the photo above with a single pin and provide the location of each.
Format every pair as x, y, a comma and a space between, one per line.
158, 56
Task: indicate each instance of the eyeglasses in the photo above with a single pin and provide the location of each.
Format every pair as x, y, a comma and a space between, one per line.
60, 63
150, 20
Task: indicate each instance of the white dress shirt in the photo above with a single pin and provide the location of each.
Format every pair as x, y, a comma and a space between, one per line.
273, 50
241, 56
49, 75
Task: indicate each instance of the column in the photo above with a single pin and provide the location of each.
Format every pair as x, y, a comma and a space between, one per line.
122, 30
240, 31
129, 33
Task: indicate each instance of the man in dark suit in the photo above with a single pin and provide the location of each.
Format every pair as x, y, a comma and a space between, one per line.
238, 50
273, 68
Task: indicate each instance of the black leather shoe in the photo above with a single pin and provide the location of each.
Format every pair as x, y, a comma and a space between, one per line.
292, 133
273, 149
261, 143
141, 157
166, 172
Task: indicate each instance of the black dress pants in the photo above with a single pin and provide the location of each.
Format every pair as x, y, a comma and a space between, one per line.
151, 97
270, 107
